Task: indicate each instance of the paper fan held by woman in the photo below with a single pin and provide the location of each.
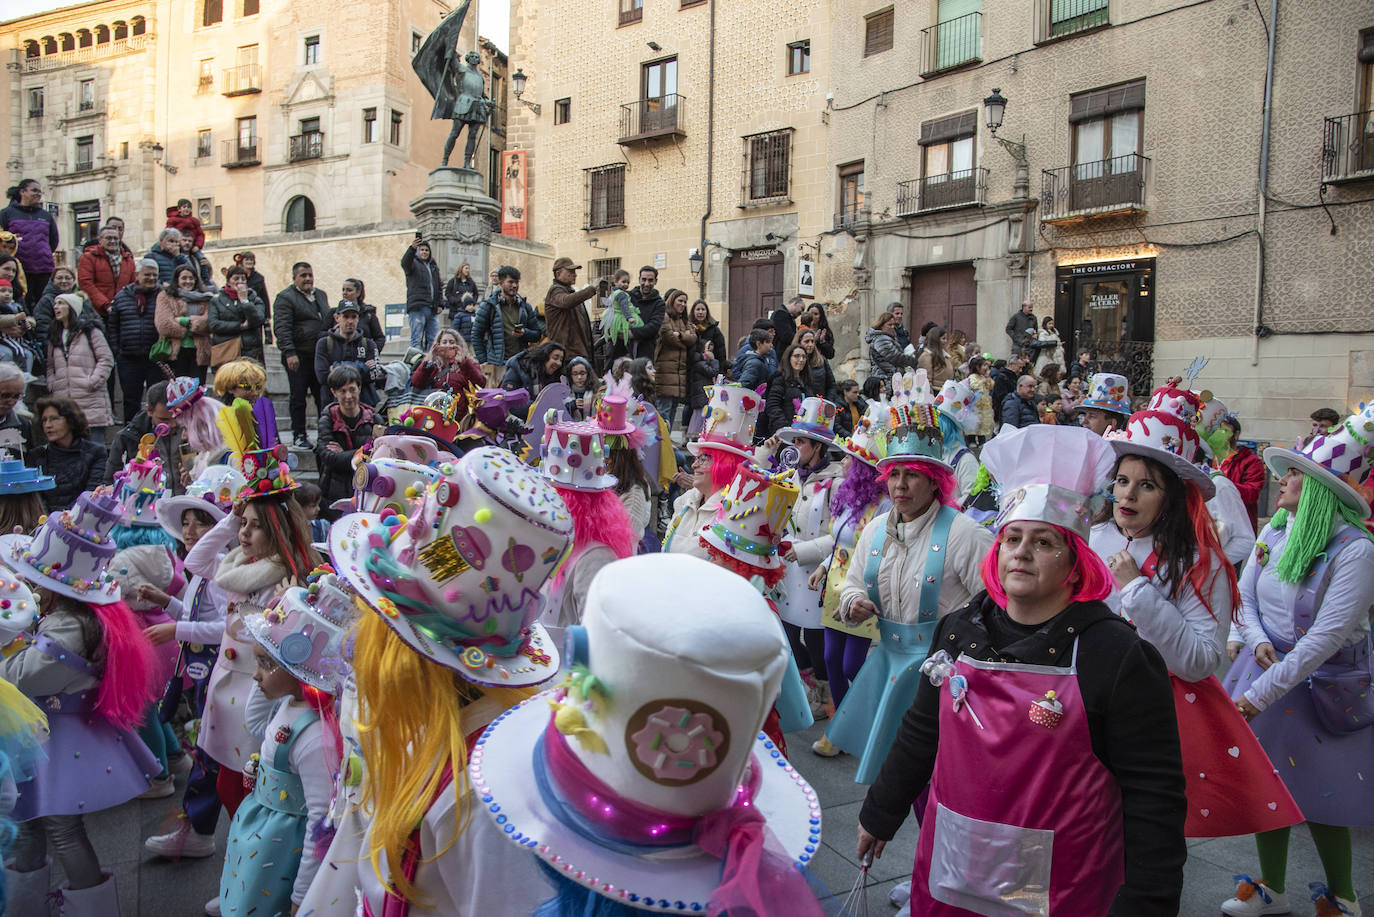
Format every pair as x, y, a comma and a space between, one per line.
1174, 583
95, 759
1303, 678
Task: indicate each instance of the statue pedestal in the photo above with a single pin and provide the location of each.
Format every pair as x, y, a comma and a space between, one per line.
457, 218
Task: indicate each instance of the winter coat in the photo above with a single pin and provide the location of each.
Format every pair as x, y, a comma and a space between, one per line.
462, 323
702, 374
751, 369
1021, 328
37, 231
1003, 384
456, 378
172, 305
333, 349
644, 339
565, 313
424, 285
986, 420
1245, 470
97, 279
844, 423
370, 325
78, 368
299, 321
489, 331
75, 469
781, 400
712, 334
167, 263
258, 284
820, 381
168, 448
672, 360
938, 377
336, 468
885, 357
187, 225
131, 328
784, 329
521, 374
1019, 412
454, 291
43, 312
227, 315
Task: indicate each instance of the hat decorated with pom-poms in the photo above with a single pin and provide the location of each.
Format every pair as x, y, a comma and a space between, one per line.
573, 455
868, 442
18, 605
1339, 458
435, 420
458, 577
305, 629
815, 419
251, 432
267, 472
141, 484
70, 552
182, 393
750, 522
958, 401
731, 412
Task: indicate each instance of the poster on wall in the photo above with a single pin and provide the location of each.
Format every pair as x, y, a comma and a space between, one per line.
513, 193
806, 278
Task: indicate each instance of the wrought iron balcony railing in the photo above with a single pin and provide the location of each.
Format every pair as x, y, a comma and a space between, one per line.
951, 44
646, 119
1348, 147
1085, 189
1059, 18
309, 145
965, 188
242, 80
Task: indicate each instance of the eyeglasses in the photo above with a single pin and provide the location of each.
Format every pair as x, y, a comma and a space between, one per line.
10, 396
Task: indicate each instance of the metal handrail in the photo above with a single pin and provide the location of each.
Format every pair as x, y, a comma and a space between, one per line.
1348, 147
951, 43
1103, 186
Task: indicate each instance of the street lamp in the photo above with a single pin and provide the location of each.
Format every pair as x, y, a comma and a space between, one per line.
157, 158
994, 107
696, 262
517, 84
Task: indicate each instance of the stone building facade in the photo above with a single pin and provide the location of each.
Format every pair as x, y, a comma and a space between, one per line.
668, 127
292, 129
1137, 221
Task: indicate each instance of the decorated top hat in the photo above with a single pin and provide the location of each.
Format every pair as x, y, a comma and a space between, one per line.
1107, 392
434, 423
214, 491
915, 429
141, 484
380, 484
70, 553
1049, 473
305, 630
612, 415
1338, 458
868, 442
18, 605
731, 413
1165, 432
18, 478
815, 419
653, 739
458, 578
1211, 414
750, 521
182, 393
267, 472
574, 456
491, 406
957, 401
418, 449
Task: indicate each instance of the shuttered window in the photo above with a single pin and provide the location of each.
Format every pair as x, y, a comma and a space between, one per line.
878, 28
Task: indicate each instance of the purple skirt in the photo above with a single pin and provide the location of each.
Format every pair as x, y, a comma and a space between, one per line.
1330, 776
90, 764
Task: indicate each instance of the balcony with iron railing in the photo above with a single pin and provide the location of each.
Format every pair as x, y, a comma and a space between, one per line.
1348, 148
242, 80
236, 154
205, 83
849, 216
1055, 19
649, 119
1090, 189
951, 44
964, 188
309, 145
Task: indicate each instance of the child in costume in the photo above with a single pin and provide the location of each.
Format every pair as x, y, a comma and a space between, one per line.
858, 498
476, 547
197, 413
272, 855
242, 378
642, 783
90, 669
1175, 584
1303, 678
725, 442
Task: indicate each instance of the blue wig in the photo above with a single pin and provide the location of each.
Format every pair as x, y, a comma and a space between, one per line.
130, 536
950, 432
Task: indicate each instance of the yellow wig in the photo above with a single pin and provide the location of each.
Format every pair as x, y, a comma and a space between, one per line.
410, 726
245, 372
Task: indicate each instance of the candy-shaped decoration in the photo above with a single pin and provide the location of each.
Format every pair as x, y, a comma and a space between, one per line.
1047, 711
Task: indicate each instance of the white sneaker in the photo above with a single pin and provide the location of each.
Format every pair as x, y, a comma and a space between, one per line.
183, 842
900, 894
160, 788
212, 908
1254, 899
180, 765
1328, 905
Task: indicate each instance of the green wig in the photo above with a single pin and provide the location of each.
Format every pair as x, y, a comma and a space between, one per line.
1319, 512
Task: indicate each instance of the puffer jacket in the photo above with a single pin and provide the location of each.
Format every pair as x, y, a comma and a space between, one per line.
78, 368
37, 231
98, 280
299, 321
131, 329
673, 358
227, 315
43, 311
333, 349
702, 374
187, 225
167, 263
784, 394
336, 468
171, 306
75, 469
885, 357
488, 339
424, 284
820, 381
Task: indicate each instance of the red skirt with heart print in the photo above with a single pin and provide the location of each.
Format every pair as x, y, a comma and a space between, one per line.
1233, 788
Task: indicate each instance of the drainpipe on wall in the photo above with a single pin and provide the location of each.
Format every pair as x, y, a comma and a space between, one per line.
1264, 178
710, 149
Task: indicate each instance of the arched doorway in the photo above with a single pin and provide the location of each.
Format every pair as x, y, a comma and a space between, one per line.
300, 214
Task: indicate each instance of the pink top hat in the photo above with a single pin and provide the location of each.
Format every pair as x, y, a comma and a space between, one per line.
574, 456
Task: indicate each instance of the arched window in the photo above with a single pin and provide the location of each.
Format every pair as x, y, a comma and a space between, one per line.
300, 214
102, 34
140, 25
49, 44
31, 48
68, 41
121, 30
84, 39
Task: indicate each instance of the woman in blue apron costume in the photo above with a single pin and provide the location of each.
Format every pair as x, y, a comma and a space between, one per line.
912, 565
1303, 678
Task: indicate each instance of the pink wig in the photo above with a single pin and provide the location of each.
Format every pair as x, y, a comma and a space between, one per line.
724, 465
598, 518
126, 687
945, 488
201, 430
1094, 579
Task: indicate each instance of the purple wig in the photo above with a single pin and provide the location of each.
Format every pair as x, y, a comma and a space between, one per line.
859, 490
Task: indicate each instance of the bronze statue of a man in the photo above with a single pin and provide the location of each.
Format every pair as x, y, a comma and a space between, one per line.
458, 88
